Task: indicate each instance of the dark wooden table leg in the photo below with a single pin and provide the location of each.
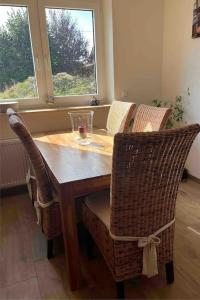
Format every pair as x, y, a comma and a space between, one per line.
70, 236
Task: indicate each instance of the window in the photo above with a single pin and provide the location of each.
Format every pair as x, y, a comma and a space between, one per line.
48, 51
17, 75
72, 51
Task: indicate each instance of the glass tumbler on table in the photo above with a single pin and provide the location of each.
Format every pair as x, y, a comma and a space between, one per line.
82, 125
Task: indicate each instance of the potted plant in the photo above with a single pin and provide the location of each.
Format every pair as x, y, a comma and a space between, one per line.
176, 118
177, 111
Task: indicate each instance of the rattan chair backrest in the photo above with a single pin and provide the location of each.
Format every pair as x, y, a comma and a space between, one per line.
150, 118
120, 116
146, 173
43, 182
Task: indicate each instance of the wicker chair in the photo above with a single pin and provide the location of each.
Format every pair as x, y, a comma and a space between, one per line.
119, 117
47, 207
150, 118
139, 215
11, 111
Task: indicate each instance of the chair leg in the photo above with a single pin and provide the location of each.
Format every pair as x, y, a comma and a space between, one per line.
120, 290
49, 249
169, 267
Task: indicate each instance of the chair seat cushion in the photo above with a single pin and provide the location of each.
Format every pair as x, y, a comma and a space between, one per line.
99, 204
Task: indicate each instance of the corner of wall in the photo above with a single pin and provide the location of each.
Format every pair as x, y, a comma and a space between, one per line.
107, 6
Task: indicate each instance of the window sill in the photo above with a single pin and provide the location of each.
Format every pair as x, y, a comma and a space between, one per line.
57, 109
53, 119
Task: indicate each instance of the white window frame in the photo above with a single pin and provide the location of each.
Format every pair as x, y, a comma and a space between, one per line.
41, 53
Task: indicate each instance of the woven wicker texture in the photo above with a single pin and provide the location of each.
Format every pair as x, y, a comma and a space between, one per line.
124, 259
11, 111
146, 173
120, 116
51, 219
150, 118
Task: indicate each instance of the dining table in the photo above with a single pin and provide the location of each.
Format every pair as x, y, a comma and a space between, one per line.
75, 171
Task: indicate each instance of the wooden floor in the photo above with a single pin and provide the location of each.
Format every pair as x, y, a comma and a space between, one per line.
25, 273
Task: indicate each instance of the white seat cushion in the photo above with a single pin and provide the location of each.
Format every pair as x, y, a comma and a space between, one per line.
99, 204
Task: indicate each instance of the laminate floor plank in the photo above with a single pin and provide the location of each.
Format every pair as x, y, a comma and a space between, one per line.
27, 290
25, 273
18, 222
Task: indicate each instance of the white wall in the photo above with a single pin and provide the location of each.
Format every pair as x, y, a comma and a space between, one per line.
181, 67
138, 41
107, 6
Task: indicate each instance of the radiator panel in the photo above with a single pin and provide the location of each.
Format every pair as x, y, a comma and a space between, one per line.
13, 164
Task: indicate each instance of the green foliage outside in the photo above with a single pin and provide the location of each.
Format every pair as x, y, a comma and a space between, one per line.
15, 50
68, 46
64, 84
177, 111
72, 64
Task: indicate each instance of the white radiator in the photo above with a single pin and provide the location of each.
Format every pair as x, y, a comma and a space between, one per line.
13, 164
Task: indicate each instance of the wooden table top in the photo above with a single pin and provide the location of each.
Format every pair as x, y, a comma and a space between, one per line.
69, 161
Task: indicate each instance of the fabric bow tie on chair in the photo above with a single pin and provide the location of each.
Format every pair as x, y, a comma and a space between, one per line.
150, 264
149, 243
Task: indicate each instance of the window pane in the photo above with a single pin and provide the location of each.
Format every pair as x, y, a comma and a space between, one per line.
72, 50
17, 78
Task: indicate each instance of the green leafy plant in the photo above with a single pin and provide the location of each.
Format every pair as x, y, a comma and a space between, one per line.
64, 84
177, 111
